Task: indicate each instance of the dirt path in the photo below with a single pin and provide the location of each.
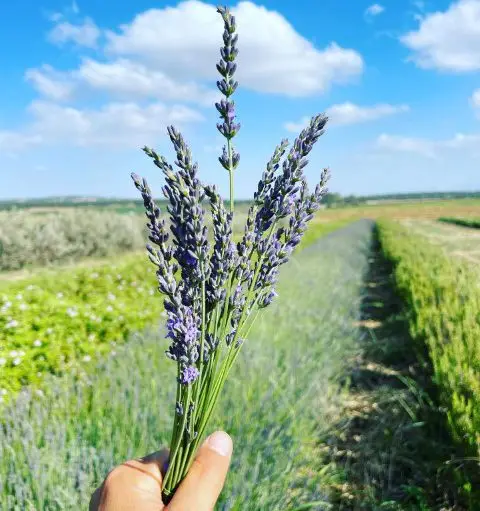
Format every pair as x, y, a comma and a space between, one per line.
392, 440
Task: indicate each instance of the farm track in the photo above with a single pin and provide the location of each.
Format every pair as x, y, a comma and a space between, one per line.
391, 443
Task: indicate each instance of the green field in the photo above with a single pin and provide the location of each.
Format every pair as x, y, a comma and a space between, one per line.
357, 389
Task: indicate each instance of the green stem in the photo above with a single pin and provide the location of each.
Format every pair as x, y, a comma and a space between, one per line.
175, 449
230, 173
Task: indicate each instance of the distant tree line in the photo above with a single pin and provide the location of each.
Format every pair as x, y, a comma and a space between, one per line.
336, 200
330, 200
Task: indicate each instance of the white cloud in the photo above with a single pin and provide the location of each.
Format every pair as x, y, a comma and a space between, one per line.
75, 8
349, 113
427, 147
449, 40
115, 124
475, 100
462, 141
130, 79
183, 42
50, 83
11, 141
374, 10
166, 55
121, 78
421, 146
86, 34
297, 127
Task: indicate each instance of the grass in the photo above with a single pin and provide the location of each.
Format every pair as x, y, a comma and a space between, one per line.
55, 447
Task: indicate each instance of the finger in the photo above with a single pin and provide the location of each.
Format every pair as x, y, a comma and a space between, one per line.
206, 477
134, 483
156, 463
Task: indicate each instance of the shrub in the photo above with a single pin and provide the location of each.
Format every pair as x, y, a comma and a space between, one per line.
28, 239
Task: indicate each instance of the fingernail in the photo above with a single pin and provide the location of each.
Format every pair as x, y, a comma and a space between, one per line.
220, 442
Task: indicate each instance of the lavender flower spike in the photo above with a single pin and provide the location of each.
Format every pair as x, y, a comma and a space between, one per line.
213, 288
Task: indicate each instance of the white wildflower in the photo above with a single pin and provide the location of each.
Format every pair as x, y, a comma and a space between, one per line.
12, 324
23, 306
37, 343
109, 308
72, 312
14, 353
3, 361
16, 361
19, 296
59, 295
87, 358
111, 297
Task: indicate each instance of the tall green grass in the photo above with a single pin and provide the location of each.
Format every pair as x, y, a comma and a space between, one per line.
57, 445
442, 296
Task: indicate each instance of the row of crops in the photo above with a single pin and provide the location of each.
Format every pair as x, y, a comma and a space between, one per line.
442, 299
35, 238
30, 239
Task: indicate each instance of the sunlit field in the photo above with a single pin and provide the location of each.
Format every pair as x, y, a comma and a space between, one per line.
371, 355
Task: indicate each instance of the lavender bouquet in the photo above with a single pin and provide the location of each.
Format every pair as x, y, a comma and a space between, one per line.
213, 294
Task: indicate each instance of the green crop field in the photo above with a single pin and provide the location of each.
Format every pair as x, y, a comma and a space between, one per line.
357, 389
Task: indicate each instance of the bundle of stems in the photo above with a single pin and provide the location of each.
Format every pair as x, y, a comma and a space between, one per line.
214, 288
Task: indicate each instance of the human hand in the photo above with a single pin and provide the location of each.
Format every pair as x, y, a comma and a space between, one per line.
137, 484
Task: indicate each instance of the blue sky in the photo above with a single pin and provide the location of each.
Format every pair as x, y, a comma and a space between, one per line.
85, 84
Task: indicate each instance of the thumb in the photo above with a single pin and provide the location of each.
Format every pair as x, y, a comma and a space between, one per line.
206, 477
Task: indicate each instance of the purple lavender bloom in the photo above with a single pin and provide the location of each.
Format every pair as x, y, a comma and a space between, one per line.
212, 289
183, 329
188, 375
